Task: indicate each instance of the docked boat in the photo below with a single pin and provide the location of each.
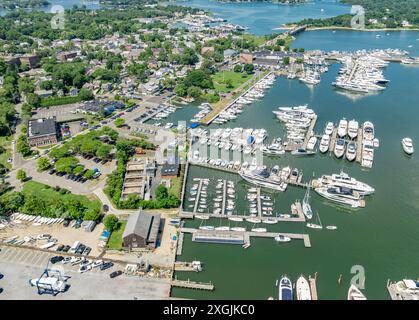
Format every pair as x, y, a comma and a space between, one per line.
339, 150
202, 217
303, 289
324, 143
344, 180
341, 195
270, 221
208, 228
311, 143
368, 131
238, 229
329, 128
222, 228
353, 127
407, 145
281, 238
262, 178
314, 226
302, 152
331, 227
308, 212
253, 220
259, 230
285, 289
351, 151
236, 219
343, 128
355, 294
275, 148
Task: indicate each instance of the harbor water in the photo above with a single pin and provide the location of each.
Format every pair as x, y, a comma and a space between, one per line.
382, 237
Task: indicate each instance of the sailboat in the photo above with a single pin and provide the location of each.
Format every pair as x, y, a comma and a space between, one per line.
355, 294
314, 225
308, 212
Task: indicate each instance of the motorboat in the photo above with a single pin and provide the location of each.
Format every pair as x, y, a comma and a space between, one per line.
208, 228
329, 128
331, 227
303, 289
282, 238
339, 150
285, 289
324, 143
254, 220
314, 226
368, 131
342, 128
351, 151
341, 195
238, 229
302, 152
259, 230
308, 212
355, 294
353, 127
311, 143
344, 180
407, 145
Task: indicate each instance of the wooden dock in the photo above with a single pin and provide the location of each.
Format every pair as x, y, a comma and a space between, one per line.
195, 208
180, 244
333, 139
359, 146
313, 287
259, 203
192, 284
310, 131
223, 208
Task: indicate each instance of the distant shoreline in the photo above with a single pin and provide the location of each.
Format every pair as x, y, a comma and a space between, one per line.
363, 30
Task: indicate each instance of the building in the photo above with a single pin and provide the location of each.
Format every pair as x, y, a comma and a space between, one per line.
170, 171
141, 231
42, 132
65, 56
207, 50
31, 61
139, 173
246, 58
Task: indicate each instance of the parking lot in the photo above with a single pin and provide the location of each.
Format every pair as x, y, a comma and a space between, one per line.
62, 113
19, 265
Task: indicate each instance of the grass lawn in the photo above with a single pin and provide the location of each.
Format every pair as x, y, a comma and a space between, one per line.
46, 192
256, 40
115, 240
237, 79
5, 143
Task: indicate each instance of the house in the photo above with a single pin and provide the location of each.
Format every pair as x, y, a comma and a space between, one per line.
65, 56
246, 58
42, 131
44, 93
229, 53
141, 231
138, 176
170, 171
74, 92
31, 61
207, 50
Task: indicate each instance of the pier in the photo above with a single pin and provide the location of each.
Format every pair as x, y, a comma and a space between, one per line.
180, 244
195, 209
188, 284
313, 287
259, 203
223, 208
359, 146
236, 237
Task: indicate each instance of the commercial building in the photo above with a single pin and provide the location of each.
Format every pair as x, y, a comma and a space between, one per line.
42, 132
141, 231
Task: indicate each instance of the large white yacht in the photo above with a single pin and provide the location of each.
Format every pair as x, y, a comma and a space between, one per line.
341, 195
324, 143
303, 289
343, 128
344, 180
353, 129
407, 145
368, 130
339, 150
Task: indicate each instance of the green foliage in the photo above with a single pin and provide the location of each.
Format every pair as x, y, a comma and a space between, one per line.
238, 68
43, 164
119, 122
21, 175
111, 222
22, 146
249, 68
66, 164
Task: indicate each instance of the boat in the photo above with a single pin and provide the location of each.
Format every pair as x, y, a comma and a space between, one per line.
311, 143
270, 221
259, 230
281, 238
202, 217
222, 228
339, 148
368, 130
329, 128
303, 289
285, 289
353, 129
407, 145
236, 219
314, 226
308, 212
206, 227
238, 229
355, 294
302, 152
342, 128
331, 227
253, 220
344, 180
324, 143
351, 151
341, 195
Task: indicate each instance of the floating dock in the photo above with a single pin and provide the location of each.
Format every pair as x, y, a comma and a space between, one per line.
313, 287
192, 284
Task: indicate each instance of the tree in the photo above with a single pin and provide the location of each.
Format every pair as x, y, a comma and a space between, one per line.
119, 122
21, 175
181, 90
85, 95
89, 174
238, 68
161, 192
111, 222
104, 151
229, 83
92, 215
286, 60
43, 164
66, 164
78, 169
34, 100
249, 68
194, 92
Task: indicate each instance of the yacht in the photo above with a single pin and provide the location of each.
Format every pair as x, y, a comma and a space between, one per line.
281, 238
368, 130
208, 228
344, 180
341, 195
308, 212
254, 220
342, 128
238, 229
329, 128
285, 289
353, 129
259, 230
275, 148
324, 143
261, 177
355, 294
339, 148
314, 226
311, 143
303, 289
407, 145
351, 151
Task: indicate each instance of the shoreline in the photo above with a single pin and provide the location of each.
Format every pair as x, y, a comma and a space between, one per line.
362, 30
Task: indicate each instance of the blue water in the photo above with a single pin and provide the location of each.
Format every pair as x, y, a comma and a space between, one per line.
66, 4
265, 18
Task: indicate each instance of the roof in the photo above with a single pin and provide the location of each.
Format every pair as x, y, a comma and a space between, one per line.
169, 169
144, 225
42, 127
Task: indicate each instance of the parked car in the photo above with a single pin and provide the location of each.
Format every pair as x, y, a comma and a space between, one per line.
56, 259
1, 275
60, 248
86, 251
80, 249
115, 274
66, 248
66, 222
105, 208
106, 265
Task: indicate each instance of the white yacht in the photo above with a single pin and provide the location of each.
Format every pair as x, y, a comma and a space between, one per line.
341, 195
275, 148
351, 151
329, 128
339, 150
353, 129
324, 143
308, 212
281, 238
311, 143
368, 130
343, 128
344, 180
355, 294
407, 145
303, 289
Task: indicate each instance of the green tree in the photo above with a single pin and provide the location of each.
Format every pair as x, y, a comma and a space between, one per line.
111, 222
43, 164
89, 174
66, 164
119, 122
92, 215
238, 68
78, 169
249, 68
286, 60
21, 175
194, 92
104, 152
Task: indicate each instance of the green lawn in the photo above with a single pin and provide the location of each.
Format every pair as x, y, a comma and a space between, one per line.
256, 40
5, 143
237, 79
46, 192
115, 240
176, 183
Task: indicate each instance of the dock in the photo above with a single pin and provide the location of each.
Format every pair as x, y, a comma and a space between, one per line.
195, 209
223, 207
259, 203
333, 139
359, 146
180, 244
313, 287
188, 284
236, 237
310, 131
